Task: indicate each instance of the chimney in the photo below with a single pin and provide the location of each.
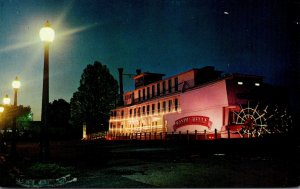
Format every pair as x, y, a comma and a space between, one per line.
138, 71
121, 85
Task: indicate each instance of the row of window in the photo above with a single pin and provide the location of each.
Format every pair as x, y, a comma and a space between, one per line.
133, 126
161, 88
165, 106
157, 90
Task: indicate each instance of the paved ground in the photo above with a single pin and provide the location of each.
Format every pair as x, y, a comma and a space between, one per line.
147, 164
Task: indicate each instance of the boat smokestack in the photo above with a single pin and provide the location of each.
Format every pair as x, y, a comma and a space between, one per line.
121, 85
138, 71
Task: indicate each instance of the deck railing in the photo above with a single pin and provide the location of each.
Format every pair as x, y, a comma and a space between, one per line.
196, 135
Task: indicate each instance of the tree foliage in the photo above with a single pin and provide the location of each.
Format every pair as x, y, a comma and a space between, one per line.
11, 112
95, 98
59, 113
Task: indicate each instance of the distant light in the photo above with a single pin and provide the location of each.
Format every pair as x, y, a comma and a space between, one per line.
257, 84
240, 83
219, 154
225, 12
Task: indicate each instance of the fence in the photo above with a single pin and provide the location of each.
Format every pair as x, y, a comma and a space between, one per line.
196, 135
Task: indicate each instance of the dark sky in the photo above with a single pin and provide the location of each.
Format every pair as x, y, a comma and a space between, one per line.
166, 36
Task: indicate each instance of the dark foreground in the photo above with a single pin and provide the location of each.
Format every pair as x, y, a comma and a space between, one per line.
136, 164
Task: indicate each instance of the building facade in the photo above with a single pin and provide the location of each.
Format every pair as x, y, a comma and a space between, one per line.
198, 100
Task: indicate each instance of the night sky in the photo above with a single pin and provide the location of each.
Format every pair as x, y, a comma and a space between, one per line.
253, 37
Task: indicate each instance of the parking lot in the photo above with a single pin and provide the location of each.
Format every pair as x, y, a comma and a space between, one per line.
156, 164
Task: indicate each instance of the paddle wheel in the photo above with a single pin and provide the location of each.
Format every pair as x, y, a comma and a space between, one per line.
260, 120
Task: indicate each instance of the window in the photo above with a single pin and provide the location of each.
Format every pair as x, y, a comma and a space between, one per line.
158, 107
134, 114
148, 109
153, 91
139, 111
144, 94
122, 113
153, 108
158, 89
130, 112
176, 104
170, 85
164, 106
164, 87
232, 117
176, 83
170, 105
148, 92
139, 95
144, 110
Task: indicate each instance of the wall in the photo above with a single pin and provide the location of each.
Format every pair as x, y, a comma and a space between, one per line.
208, 101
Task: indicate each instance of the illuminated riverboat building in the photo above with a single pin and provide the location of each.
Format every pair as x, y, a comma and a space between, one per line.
198, 100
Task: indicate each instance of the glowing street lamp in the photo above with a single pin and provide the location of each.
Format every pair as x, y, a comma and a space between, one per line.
16, 84
47, 35
6, 100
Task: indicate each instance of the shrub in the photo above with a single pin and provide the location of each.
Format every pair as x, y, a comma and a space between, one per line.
46, 171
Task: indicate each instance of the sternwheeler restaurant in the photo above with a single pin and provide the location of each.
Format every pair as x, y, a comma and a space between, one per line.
198, 102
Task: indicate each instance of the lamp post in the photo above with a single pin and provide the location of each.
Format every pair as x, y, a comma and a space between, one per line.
16, 84
47, 35
1, 111
6, 102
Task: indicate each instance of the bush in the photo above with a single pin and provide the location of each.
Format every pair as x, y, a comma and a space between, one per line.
46, 171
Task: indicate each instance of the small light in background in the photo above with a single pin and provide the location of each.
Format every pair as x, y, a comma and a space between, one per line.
6, 100
257, 84
226, 13
240, 83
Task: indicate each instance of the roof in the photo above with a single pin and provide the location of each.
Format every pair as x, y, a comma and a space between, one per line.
147, 73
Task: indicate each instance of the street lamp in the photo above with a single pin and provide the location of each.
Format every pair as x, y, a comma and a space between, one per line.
6, 100
47, 35
16, 84
1, 111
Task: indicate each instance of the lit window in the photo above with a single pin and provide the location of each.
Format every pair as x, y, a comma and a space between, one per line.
257, 84
240, 83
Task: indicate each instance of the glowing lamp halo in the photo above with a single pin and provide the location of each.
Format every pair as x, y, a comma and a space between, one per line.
47, 34
16, 84
6, 100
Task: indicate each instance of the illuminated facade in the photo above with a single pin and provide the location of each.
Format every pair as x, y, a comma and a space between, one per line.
199, 100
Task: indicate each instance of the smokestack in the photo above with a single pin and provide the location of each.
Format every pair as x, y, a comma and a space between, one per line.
121, 85
138, 71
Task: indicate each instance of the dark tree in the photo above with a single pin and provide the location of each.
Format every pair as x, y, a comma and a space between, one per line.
95, 98
59, 113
